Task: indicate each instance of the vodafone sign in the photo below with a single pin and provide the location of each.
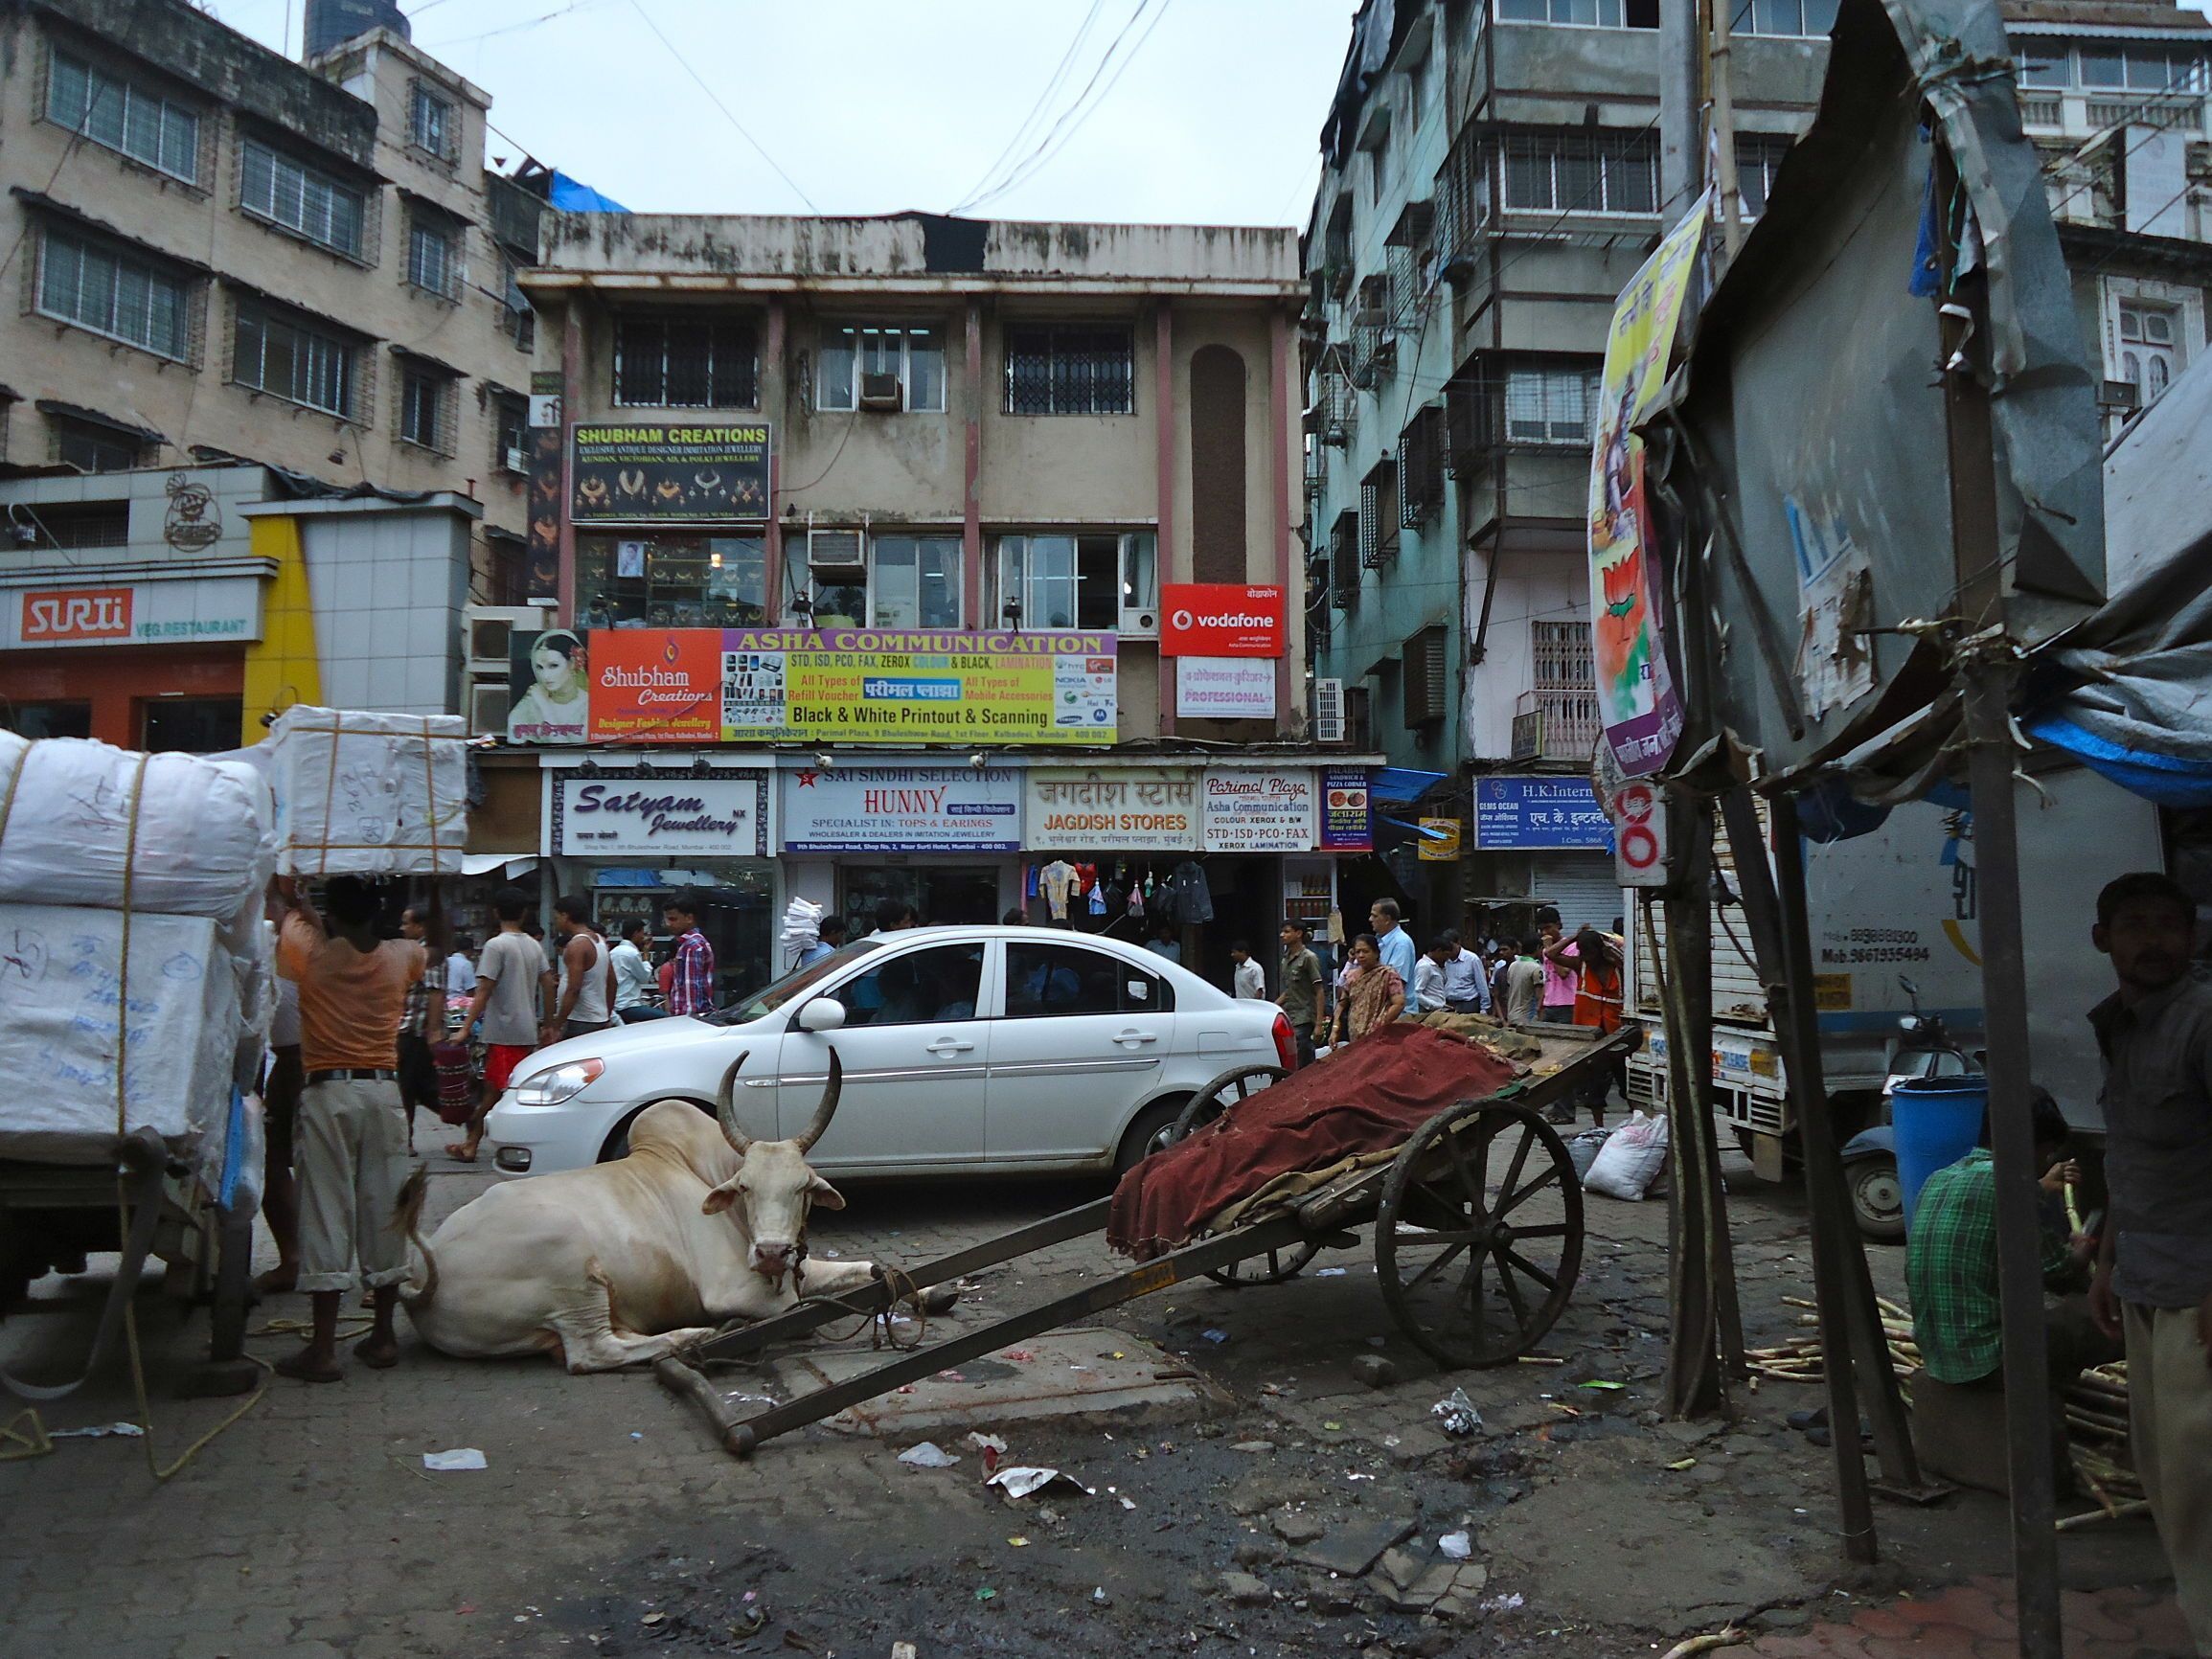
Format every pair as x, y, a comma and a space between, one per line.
1221, 620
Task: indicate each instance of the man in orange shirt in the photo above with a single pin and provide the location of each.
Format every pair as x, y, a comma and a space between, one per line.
351, 1146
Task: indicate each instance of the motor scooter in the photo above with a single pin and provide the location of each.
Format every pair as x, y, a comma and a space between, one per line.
1923, 1049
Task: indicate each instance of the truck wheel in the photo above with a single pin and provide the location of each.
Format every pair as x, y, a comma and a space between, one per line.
1877, 1199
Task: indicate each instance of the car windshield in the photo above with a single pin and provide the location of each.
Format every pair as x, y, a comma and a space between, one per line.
792, 985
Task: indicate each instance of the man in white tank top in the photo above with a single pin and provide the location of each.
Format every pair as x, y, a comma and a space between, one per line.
586, 993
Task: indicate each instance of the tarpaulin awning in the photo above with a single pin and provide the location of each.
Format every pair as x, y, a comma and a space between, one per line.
1404, 782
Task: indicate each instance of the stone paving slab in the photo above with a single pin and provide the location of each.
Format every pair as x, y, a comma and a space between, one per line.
1976, 1620
1079, 1374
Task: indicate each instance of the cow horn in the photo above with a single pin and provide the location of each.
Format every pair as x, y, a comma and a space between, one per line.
726, 1108
828, 1109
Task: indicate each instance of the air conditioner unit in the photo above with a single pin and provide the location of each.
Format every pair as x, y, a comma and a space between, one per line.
836, 550
486, 629
488, 704
1140, 622
881, 393
518, 460
1328, 711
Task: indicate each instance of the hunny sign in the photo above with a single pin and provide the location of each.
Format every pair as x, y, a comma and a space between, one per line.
1221, 620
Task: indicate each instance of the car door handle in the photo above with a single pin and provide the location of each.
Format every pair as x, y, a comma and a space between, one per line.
948, 1046
1136, 1037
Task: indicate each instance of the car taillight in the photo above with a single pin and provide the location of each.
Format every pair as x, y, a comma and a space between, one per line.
1285, 1043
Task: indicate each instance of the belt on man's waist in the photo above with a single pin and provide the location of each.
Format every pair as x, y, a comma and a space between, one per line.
353, 1075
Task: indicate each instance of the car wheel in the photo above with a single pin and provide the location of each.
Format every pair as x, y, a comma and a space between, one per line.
1877, 1199
1155, 1128
618, 1139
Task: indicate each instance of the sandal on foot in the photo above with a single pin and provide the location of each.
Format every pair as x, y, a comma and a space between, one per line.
297, 1365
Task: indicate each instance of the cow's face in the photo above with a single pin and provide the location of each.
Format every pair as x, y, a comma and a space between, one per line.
773, 1192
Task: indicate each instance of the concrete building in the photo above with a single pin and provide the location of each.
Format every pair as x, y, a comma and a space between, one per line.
840, 512
1490, 179
174, 608
224, 254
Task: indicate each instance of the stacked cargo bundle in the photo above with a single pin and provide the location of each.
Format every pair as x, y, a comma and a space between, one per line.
134, 964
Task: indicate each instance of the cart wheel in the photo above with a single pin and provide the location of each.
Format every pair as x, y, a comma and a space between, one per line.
1478, 1239
1240, 1083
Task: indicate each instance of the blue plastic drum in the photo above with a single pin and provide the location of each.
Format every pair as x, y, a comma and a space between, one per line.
1937, 1120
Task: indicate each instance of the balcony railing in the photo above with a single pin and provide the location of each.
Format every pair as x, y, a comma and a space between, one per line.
1556, 726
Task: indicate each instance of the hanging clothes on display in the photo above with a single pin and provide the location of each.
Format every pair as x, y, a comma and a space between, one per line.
1056, 881
1185, 898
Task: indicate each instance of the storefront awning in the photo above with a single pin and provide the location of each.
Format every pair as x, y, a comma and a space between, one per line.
1421, 830
509, 864
1403, 784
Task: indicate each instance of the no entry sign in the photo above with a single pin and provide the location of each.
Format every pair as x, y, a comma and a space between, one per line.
1639, 818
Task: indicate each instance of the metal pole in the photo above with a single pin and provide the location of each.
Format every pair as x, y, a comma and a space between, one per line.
1797, 1022
1693, 1377
1724, 129
1681, 132
1985, 670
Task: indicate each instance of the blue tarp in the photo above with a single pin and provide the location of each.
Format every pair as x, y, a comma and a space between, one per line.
570, 196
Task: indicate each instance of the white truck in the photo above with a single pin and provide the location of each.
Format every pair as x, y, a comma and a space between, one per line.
1902, 903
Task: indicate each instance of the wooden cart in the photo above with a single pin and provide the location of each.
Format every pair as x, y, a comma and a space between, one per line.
1477, 1238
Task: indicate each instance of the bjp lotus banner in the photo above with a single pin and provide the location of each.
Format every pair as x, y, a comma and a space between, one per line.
1636, 696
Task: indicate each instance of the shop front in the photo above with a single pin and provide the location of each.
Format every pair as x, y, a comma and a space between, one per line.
631, 836
944, 836
1544, 841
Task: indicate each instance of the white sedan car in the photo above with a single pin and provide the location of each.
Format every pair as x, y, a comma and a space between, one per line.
965, 1050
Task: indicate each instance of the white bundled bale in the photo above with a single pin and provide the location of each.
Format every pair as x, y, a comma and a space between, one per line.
364, 794
204, 842
74, 1006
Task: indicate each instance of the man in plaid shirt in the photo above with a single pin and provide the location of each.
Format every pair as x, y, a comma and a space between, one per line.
691, 986
1951, 1264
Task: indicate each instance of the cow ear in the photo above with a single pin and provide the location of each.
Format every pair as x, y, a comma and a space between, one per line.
825, 1195
719, 1198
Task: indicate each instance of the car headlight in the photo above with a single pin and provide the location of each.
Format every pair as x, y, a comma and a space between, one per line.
549, 1088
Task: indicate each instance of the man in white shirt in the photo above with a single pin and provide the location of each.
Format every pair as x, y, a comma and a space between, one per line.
633, 975
1427, 985
1248, 980
1393, 941
1466, 982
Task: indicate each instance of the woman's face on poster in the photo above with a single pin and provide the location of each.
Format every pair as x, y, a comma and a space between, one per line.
556, 672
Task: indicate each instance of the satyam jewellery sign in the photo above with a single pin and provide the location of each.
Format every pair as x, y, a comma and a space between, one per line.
1125, 809
599, 814
1260, 812
901, 809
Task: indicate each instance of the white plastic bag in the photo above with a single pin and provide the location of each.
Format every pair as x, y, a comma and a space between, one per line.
1630, 1161
1584, 1149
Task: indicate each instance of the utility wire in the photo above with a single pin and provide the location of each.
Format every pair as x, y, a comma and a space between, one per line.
1079, 112
1036, 109
639, 6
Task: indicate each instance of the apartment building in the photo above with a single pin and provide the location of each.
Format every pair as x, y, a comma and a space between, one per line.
223, 254
1490, 179
923, 554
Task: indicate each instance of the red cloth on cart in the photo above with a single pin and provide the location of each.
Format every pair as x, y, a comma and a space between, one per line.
1369, 1097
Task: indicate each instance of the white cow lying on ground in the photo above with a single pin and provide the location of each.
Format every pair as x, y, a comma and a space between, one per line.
623, 1262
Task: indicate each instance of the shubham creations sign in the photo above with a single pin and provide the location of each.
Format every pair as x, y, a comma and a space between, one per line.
626, 474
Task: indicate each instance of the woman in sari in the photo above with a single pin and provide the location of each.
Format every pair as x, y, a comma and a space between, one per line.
1375, 996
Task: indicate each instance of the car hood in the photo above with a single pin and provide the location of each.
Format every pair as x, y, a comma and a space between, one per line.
621, 1041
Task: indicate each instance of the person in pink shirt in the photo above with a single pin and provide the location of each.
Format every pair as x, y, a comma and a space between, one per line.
1562, 979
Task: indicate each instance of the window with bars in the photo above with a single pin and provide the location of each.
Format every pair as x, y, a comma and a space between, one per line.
912, 356
521, 320
1471, 416
686, 363
1420, 452
1582, 13
1425, 684
432, 123
510, 432
289, 357
1462, 204
1787, 18
111, 291
433, 253
1336, 409
1758, 159
1560, 656
127, 117
90, 448
327, 211
1379, 522
1070, 369
1550, 405
1344, 559
426, 408
1582, 172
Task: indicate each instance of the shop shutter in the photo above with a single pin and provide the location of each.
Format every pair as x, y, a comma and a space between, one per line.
1581, 885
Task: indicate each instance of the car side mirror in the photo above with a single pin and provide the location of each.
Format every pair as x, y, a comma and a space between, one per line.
822, 1013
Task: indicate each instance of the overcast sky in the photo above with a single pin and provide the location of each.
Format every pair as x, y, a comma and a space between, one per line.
876, 106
